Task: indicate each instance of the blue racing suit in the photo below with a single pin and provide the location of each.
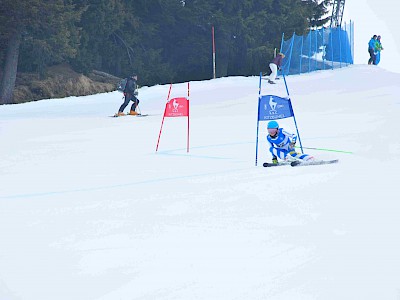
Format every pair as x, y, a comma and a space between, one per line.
282, 145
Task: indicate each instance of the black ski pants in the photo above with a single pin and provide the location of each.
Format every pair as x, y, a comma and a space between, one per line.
129, 97
372, 59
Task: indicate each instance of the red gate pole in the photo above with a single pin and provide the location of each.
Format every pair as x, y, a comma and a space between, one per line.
159, 135
188, 120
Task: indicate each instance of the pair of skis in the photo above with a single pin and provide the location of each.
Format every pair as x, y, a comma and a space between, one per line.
299, 163
138, 115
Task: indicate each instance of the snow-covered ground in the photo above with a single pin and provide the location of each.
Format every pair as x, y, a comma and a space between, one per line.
89, 210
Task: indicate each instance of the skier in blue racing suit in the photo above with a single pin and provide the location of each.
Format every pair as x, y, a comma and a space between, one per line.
282, 144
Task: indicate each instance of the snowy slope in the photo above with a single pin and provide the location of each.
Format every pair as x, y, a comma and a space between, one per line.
90, 211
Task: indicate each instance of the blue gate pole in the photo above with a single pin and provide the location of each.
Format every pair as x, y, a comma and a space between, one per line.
258, 114
295, 123
291, 110
287, 90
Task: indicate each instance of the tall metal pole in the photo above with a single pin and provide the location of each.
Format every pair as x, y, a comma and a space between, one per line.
258, 115
213, 43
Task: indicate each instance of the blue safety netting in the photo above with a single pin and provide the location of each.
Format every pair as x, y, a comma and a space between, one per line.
321, 49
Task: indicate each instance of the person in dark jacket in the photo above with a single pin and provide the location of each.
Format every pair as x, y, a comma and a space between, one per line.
371, 50
130, 94
275, 64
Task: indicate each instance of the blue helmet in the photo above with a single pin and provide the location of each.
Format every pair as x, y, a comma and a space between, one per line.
273, 124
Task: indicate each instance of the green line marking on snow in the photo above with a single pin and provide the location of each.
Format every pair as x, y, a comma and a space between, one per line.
330, 150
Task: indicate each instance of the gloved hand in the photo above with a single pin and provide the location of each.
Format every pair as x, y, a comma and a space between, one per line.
292, 144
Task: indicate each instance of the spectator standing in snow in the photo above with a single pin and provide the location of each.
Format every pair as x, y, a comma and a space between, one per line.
275, 65
372, 50
378, 48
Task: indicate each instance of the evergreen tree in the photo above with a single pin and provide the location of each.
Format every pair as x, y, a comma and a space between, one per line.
319, 10
42, 31
100, 21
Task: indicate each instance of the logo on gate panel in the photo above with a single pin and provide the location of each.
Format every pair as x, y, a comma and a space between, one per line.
177, 107
273, 105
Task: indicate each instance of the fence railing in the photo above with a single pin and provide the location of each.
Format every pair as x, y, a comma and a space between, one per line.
320, 49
